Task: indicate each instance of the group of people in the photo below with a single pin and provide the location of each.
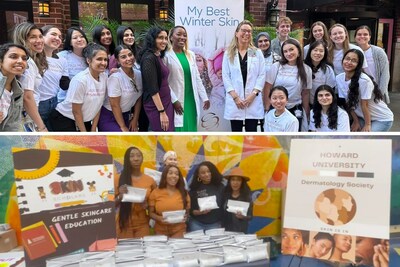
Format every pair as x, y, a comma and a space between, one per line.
336, 247
174, 194
329, 85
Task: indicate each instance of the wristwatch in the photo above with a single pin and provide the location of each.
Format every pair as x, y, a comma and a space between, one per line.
255, 92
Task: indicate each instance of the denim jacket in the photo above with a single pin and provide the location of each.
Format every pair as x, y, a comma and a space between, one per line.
12, 123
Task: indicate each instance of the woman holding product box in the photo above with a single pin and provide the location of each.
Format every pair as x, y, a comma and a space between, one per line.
132, 218
206, 182
238, 190
170, 195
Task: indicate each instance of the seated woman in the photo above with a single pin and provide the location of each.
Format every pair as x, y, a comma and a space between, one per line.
279, 119
169, 196
326, 116
237, 189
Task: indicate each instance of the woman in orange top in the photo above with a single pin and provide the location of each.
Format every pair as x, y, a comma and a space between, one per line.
169, 196
132, 218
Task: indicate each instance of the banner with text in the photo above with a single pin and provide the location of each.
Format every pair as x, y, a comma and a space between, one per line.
339, 192
66, 202
210, 26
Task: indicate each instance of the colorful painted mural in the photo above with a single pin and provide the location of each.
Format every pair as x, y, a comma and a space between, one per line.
263, 158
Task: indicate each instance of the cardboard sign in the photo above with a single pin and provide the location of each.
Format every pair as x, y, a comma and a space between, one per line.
338, 193
65, 201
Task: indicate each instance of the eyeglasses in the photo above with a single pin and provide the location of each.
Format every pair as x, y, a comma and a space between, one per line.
352, 60
133, 83
246, 31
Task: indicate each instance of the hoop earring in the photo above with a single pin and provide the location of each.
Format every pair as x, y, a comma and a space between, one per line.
198, 179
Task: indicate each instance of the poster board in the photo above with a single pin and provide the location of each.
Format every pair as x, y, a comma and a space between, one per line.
66, 202
210, 27
339, 187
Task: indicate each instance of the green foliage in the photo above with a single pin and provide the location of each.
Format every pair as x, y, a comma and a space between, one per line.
248, 16
88, 24
296, 34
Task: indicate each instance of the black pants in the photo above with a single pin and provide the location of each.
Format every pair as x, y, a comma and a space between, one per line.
60, 123
250, 125
299, 118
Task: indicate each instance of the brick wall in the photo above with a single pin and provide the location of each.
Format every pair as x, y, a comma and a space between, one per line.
258, 8
60, 15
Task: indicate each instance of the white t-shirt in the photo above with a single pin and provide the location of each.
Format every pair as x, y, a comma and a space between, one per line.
31, 79
322, 78
286, 122
343, 122
5, 102
120, 84
51, 78
338, 57
379, 111
85, 90
371, 65
286, 76
75, 64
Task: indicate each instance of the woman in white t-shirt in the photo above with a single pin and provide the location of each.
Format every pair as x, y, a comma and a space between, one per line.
326, 116
56, 75
75, 42
81, 108
322, 72
13, 62
31, 37
279, 119
291, 73
362, 95
339, 45
124, 91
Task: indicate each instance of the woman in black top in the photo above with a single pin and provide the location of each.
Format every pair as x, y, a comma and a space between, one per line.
207, 181
237, 189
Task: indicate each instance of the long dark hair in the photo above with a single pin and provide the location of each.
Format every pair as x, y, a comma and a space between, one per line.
324, 61
301, 73
97, 36
325, 38
150, 41
216, 176
120, 38
244, 191
68, 38
125, 179
180, 185
354, 90
332, 110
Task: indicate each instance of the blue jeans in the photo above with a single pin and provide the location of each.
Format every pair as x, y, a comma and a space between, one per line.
195, 225
45, 108
377, 126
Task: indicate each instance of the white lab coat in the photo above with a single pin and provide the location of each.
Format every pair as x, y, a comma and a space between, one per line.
232, 77
176, 82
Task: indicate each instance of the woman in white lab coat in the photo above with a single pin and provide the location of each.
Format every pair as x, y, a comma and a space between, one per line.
243, 73
187, 91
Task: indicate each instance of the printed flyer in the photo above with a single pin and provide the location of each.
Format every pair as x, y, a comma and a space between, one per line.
66, 202
338, 200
